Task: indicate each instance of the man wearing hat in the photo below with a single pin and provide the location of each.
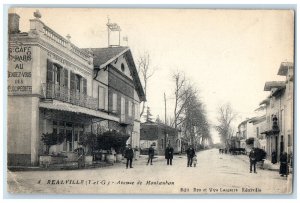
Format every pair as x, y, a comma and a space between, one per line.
129, 156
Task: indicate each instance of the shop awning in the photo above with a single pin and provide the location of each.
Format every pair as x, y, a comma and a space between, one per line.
62, 106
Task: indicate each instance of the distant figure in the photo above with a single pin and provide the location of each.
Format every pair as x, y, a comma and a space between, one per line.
195, 160
169, 154
129, 156
150, 155
252, 159
274, 158
190, 152
283, 170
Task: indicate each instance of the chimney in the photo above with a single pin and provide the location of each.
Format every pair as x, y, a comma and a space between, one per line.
13, 23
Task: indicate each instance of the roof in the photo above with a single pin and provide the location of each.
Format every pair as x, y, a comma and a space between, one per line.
284, 66
104, 56
257, 119
62, 106
273, 84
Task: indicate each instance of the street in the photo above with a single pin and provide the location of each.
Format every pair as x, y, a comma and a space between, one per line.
215, 174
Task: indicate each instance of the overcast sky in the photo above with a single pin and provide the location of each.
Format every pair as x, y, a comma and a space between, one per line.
227, 54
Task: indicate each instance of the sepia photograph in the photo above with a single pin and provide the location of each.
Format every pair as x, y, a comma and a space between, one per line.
150, 101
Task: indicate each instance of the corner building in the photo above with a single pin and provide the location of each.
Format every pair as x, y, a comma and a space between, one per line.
54, 87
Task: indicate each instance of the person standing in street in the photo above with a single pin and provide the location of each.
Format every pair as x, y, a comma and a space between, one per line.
252, 159
129, 156
150, 155
169, 154
190, 152
283, 170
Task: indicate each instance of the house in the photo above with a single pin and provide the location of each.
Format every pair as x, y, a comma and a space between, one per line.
279, 112
259, 125
56, 87
116, 81
159, 135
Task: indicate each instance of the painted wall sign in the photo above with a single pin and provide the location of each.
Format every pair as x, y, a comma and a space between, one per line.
20, 69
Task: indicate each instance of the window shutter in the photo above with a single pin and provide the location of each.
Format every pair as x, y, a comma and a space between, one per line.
49, 71
84, 86
66, 76
62, 79
72, 82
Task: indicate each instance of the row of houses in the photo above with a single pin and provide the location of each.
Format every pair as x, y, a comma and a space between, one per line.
273, 128
56, 87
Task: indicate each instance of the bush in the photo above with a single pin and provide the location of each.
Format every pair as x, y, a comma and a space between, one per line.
260, 154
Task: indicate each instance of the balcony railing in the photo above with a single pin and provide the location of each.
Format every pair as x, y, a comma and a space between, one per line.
61, 93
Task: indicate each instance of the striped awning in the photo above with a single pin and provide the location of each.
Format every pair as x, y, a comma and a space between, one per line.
63, 106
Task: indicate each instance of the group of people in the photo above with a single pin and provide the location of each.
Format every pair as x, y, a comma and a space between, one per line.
283, 169
191, 156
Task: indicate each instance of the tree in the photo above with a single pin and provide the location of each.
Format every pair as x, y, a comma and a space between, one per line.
148, 115
158, 120
146, 72
183, 92
189, 112
225, 117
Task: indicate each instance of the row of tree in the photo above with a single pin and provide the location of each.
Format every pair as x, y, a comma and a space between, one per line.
189, 114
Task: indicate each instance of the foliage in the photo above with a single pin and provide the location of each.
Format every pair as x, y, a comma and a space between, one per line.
250, 141
260, 154
89, 140
148, 115
112, 139
50, 139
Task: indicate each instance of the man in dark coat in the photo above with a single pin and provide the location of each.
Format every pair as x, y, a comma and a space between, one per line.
150, 155
129, 156
190, 152
283, 170
252, 159
169, 154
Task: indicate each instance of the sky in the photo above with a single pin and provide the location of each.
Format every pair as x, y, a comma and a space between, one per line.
227, 54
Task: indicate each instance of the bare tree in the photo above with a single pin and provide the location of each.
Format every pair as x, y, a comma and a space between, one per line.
183, 92
145, 71
225, 117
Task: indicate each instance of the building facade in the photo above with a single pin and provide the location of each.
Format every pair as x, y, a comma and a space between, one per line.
55, 87
161, 135
279, 112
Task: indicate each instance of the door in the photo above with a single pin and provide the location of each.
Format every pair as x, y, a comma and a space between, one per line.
69, 140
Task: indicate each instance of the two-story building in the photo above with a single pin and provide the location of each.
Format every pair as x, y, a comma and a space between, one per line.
279, 112
116, 81
56, 87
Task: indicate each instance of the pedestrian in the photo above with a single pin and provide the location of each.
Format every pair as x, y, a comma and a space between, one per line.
150, 155
190, 152
283, 170
195, 160
274, 158
129, 156
169, 154
252, 159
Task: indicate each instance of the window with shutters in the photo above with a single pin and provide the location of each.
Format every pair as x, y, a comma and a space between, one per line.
101, 97
84, 86
66, 77
78, 83
129, 108
122, 108
114, 102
